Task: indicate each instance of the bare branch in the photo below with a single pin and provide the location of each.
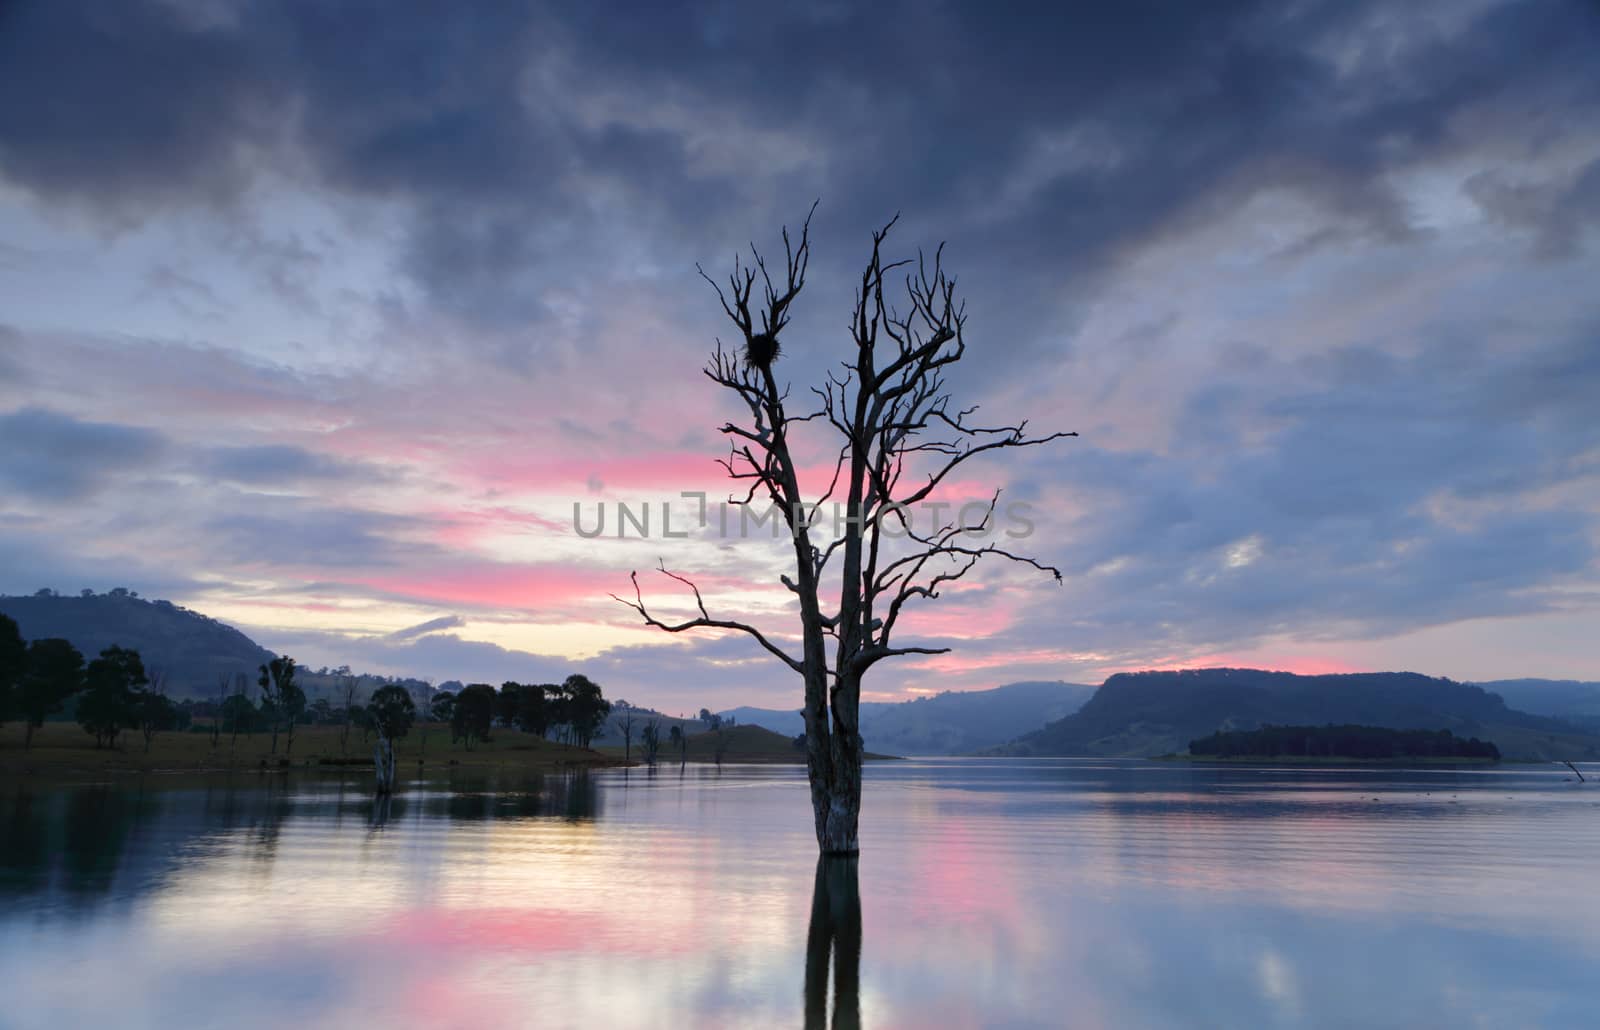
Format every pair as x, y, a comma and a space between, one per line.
704, 621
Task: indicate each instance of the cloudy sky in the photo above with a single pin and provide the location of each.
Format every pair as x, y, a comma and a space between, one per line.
319, 318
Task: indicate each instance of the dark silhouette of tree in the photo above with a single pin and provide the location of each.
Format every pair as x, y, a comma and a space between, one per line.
443, 706
52, 673
281, 697
348, 687
587, 707
391, 712
223, 682
13, 660
112, 684
712, 720
240, 708
533, 711
680, 740
558, 711
650, 740
473, 716
153, 710
625, 724
899, 437
240, 714
505, 703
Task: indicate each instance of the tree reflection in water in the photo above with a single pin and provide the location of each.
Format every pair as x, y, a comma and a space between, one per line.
835, 931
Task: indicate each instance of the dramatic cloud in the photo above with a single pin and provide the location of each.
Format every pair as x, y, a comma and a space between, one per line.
55, 457
422, 629
323, 316
280, 465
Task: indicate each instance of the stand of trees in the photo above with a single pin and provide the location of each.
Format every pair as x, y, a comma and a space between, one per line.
281, 698
1341, 742
112, 693
571, 712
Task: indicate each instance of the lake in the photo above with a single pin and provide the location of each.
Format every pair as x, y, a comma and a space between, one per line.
1004, 892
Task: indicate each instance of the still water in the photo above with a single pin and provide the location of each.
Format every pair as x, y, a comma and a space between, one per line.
1000, 892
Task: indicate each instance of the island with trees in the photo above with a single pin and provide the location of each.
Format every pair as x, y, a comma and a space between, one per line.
1342, 743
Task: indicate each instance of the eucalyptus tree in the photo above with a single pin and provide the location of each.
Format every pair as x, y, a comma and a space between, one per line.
13, 660
472, 718
282, 697
51, 673
113, 683
898, 437
650, 739
391, 712
587, 707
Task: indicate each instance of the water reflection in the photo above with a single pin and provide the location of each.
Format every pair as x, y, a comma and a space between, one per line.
998, 894
835, 931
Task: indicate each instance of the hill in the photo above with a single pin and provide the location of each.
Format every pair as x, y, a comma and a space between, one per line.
191, 649
1152, 713
951, 723
1575, 701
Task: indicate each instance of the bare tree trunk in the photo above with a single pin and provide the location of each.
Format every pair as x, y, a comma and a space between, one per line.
27, 737
837, 805
349, 684
383, 760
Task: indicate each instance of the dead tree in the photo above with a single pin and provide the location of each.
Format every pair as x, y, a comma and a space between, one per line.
650, 740
625, 724
347, 690
899, 437
223, 679
240, 680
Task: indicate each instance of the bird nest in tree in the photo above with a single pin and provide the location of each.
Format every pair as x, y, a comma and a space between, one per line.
761, 350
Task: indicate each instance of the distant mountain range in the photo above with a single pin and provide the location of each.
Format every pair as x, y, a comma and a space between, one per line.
1131, 714
190, 649
951, 723
1575, 701
1153, 713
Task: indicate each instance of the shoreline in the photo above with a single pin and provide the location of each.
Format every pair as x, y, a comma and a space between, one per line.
1316, 760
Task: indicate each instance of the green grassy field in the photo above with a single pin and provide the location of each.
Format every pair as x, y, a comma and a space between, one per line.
64, 748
